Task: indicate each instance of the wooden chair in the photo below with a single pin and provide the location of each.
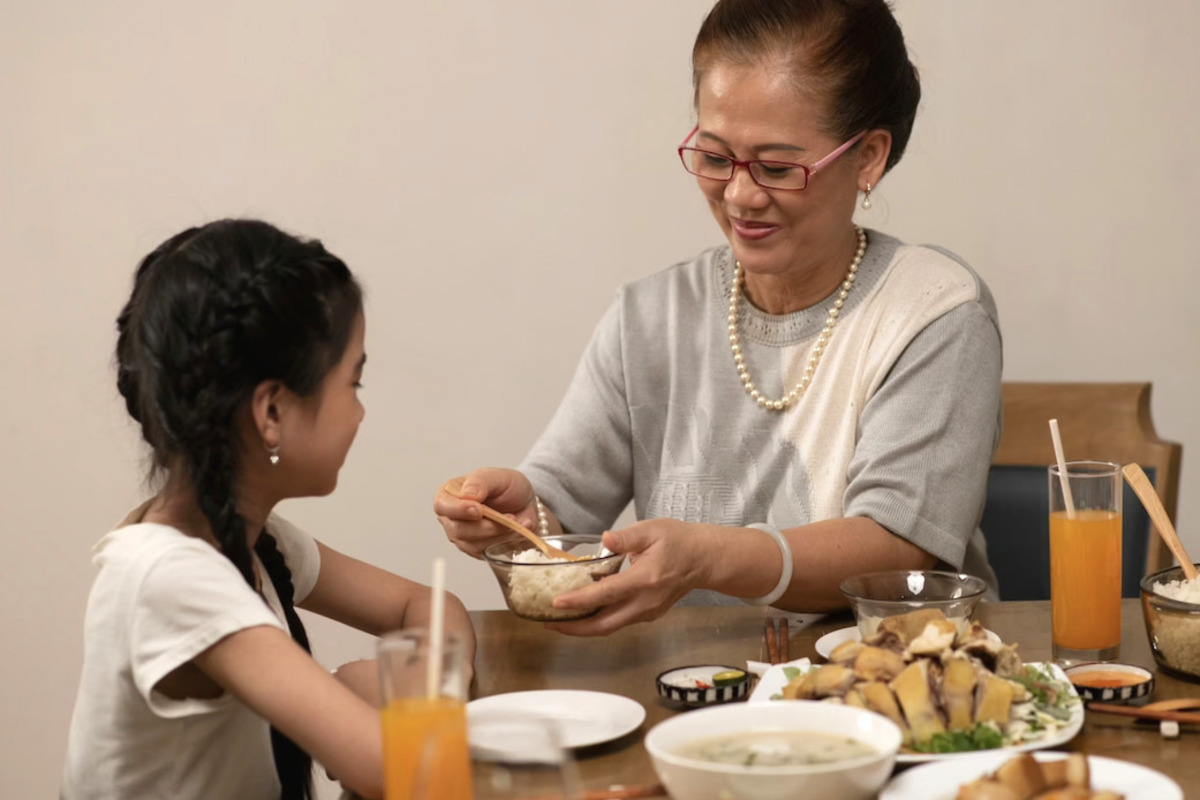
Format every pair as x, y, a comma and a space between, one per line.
1098, 421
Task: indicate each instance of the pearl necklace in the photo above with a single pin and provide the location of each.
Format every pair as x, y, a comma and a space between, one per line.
814, 358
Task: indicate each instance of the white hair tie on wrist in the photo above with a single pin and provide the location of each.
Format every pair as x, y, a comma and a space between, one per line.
785, 576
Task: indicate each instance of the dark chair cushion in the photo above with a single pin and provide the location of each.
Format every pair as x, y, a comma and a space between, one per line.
1016, 524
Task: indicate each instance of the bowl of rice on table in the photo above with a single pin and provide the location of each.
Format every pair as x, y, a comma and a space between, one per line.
1171, 607
531, 580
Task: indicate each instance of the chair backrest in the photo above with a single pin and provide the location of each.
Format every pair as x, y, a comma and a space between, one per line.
1100, 421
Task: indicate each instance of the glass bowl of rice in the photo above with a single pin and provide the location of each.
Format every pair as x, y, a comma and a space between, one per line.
531, 581
1171, 607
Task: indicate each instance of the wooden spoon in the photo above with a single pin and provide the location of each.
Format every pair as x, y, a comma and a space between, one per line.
1177, 704
454, 488
1162, 523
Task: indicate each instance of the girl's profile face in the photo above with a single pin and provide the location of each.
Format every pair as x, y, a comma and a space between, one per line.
314, 442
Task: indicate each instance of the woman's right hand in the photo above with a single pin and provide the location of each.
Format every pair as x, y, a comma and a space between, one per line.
505, 490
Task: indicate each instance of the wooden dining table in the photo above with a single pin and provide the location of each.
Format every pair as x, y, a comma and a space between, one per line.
515, 655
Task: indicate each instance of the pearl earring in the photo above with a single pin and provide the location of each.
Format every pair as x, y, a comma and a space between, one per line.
866, 203
273, 455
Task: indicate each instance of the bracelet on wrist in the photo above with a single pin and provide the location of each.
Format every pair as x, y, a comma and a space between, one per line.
785, 574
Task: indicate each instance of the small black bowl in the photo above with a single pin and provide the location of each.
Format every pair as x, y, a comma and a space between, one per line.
698, 685
1141, 682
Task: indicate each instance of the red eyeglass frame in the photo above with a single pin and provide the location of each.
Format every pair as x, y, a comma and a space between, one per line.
808, 171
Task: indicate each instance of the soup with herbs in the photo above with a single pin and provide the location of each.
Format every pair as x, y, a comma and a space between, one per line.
775, 749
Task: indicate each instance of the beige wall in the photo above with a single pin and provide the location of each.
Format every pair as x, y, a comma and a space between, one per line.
493, 171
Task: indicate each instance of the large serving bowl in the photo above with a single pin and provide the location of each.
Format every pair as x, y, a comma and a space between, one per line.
876, 595
530, 587
692, 779
1173, 626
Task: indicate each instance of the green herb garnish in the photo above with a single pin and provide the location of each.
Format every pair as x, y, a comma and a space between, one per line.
980, 737
1050, 695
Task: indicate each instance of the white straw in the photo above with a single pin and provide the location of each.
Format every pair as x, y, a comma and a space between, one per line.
1068, 501
437, 613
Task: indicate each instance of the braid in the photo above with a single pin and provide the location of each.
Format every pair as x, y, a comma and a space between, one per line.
293, 765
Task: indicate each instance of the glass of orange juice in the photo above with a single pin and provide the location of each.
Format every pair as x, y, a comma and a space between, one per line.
425, 752
1085, 562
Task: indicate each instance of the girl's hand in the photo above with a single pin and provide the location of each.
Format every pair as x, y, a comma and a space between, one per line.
505, 490
667, 559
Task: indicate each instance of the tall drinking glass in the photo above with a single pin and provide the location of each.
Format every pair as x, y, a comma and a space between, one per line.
1085, 562
425, 754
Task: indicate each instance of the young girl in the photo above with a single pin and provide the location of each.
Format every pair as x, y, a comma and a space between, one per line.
240, 354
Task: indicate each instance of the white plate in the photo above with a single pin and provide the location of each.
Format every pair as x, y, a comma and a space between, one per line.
941, 781
584, 718
829, 641
773, 681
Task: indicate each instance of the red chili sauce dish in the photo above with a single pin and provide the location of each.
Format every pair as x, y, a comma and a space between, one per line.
1111, 682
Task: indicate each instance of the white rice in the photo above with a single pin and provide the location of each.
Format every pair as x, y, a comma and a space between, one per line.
1182, 590
532, 589
1177, 636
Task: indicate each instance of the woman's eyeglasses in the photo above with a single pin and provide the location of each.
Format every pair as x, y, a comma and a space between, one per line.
768, 174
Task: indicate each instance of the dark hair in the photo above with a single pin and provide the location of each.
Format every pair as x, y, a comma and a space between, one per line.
215, 311
851, 52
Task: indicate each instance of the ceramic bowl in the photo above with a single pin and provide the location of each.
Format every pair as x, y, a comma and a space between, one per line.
855, 779
876, 595
1173, 626
1107, 682
703, 685
530, 585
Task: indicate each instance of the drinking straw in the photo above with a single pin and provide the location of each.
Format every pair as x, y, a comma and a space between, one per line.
433, 675
1068, 501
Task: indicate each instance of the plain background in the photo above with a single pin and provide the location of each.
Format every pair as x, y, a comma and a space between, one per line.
493, 171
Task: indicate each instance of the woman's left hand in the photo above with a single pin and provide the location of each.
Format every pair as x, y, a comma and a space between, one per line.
667, 559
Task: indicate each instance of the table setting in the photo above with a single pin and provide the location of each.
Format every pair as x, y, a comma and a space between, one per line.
920, 690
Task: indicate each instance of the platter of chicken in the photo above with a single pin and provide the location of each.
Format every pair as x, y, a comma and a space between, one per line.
951, 689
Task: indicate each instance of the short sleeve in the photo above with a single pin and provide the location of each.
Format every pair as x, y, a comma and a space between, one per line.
189, 598
926, 437
300, 551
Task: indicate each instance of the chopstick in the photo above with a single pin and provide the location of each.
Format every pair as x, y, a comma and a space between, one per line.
1144, 713
777, 643
617, 793
626, 792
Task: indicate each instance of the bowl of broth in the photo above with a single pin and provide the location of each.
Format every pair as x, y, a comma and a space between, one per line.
773, 751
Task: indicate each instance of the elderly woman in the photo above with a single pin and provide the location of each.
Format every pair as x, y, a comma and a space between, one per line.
811, 401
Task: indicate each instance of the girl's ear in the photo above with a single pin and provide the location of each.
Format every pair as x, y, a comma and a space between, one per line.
267, 407
873, 153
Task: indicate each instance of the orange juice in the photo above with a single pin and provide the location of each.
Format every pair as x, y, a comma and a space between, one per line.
425, 742
1085, 579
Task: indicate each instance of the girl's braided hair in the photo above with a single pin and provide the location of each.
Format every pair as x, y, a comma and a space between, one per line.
215, 311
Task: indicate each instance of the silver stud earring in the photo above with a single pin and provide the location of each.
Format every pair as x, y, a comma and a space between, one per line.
273, 455
866, 203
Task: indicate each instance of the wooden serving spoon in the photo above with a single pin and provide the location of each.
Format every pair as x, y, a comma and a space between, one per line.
454, 488
1162, 523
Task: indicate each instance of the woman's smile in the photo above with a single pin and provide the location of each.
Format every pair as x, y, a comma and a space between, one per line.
752, 230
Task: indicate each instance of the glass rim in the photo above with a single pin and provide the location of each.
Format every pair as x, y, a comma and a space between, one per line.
977, 586
496, 553
393, 640
1089, 468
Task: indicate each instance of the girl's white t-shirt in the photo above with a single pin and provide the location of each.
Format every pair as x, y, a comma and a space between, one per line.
160, 598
